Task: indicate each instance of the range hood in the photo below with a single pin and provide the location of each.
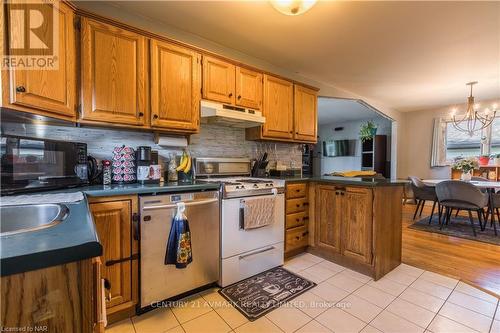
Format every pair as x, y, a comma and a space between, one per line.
228, 115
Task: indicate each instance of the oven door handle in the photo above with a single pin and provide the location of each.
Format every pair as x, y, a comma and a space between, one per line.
267, 249
188, 204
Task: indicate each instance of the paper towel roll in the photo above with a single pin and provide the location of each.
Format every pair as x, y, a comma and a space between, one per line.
170, 141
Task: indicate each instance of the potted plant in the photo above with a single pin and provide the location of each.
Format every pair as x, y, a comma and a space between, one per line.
466, 165
496, 159
367, 131
484, 160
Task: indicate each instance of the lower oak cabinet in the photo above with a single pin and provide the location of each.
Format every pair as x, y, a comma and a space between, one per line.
296, 219
60, 299
116, 223
358, 227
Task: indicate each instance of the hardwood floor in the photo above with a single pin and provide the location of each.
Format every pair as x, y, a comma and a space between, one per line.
473, 262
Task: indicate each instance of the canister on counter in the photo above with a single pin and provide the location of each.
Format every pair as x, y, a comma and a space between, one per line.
106, 172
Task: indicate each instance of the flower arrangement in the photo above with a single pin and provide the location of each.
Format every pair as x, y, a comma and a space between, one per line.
367, 131
465, 165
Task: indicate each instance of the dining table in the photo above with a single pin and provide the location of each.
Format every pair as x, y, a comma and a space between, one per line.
489, 186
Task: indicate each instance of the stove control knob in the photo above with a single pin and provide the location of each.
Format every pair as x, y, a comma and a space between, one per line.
255, 185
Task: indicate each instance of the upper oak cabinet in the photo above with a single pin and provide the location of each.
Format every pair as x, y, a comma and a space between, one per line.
113, 74
45, 91
278, 108
248, 88
305, 114
218, 80
175, 87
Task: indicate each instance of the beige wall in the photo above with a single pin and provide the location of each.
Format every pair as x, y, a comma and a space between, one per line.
415, 142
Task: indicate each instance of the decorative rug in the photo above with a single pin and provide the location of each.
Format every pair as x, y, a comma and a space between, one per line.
264, 292
459, 227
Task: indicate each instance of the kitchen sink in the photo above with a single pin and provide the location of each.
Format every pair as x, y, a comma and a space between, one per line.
27, 218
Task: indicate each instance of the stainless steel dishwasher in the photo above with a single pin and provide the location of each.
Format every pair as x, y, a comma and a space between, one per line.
158, 281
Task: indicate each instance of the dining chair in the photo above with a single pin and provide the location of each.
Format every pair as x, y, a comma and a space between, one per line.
422, 194
456, 194
495, 200
477, 179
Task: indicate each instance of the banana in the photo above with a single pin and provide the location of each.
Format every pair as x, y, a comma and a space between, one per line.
183, 163
188, 166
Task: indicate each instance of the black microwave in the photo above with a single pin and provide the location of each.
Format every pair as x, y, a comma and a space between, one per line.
33, 164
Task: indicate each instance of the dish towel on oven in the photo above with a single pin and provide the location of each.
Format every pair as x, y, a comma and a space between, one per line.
258, 212
179, 251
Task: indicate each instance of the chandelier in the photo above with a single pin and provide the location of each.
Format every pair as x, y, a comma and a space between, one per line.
473, 120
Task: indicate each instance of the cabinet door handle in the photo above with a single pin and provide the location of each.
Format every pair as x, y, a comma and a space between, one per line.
298, 205
239, 96
305, 233
230, 95
298, 220
291, 132
298, 190
141, 114
298, 237
155, 116
20, 89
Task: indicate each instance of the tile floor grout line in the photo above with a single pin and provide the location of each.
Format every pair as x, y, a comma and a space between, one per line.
494, 315
437, 313
471, 309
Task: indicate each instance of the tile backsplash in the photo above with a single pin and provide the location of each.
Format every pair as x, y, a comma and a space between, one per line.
212, 141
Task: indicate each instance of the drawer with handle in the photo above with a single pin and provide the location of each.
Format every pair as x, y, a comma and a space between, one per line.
296, 219
296, 205
296, 238
296, 190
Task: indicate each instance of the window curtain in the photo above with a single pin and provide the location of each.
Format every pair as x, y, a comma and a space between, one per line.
438, 154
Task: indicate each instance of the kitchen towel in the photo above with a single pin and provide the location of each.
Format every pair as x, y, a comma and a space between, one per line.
258, 212
179, 251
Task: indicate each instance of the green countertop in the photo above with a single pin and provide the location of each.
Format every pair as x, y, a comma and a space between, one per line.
367, 181
127, 189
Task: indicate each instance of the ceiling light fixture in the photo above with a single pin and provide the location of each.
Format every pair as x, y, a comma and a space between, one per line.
473, 120
292, 7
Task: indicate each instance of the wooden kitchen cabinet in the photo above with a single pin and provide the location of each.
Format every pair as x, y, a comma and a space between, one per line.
218, 80
296, 218
277, 108
175, 87
356, 223
248, 88
305, 114
45, 91
114, 72
113, 217
328, 223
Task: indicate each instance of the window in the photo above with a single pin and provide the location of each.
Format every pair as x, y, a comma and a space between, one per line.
460, 144
495, 136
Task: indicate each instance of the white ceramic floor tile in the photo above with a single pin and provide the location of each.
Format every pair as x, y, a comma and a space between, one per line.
439, 279
345, 281
156, 321
442, 324
231, 316
329, 292
310, 257
332, 266
375, 296
390, 323
311, 304
473, 303
497, 314
466, 317
299, 263
340, 321
124, 326
258, 326
361, 308
431, 288
470, 290
209, 323
358, 276
288, 318
495, 327
411, 312
190, 308
370, 329
400, 277
311, 277
313, 327
389, 286
422, 299
410, 270
177, 329
321, 271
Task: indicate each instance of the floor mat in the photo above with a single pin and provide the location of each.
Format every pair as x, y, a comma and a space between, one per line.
459, 227
261, 293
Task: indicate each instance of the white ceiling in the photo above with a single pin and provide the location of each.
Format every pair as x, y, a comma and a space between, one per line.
337, 110
407, 55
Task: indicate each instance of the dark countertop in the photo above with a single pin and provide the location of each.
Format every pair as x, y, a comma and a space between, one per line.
369, 181
75, 238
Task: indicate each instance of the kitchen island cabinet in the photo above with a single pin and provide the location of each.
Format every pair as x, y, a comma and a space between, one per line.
356, 225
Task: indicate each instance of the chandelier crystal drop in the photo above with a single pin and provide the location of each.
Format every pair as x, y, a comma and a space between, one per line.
473, 120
